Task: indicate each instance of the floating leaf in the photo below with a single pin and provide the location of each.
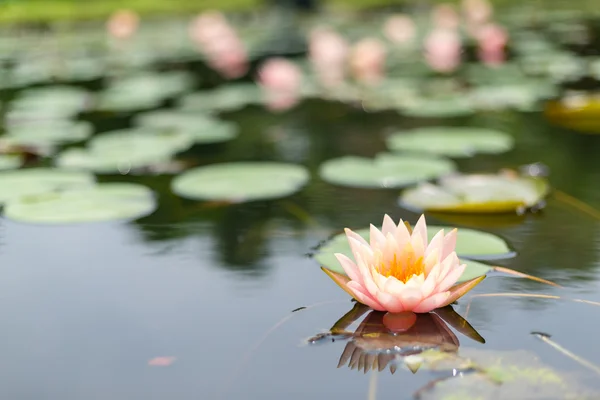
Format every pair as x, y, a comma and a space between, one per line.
48, 133
125, 150
11, 161
226, 98
56, 101
445, 107
203, 128
386, 170
241, 181
34, 181
104, 202
143, 91
491, 193
469, 244
451, 141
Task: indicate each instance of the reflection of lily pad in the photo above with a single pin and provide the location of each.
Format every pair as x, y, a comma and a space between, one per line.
50, 132
125, 150
104, 202
34, 181
385, 171
477, 194
469, 243
203, 128
451, 141
241, 181
226, 98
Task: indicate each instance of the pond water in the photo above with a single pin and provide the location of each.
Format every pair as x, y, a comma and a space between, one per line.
88, 308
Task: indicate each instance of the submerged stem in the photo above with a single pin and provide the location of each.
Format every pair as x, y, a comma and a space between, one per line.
372, 394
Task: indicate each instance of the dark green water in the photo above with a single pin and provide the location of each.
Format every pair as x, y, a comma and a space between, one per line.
84, 308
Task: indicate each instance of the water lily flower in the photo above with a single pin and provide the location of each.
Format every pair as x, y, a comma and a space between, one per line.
220, 43
367, 61
400, 271
400, 29
443, 48
328, 54
492, 40
281, 81
123, 24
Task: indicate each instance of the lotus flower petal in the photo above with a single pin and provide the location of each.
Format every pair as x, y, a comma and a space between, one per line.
398, 270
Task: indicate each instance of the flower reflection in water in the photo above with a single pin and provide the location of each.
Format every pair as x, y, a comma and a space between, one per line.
379, 342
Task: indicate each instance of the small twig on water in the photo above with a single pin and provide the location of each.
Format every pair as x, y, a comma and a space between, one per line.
546, 339
576, 203
512, 272
530, 295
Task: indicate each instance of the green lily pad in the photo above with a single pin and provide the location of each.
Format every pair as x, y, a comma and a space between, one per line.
35, 181
52, 132
241, 181
451, 141
11, 161
104, 202
145, 91
225, 98
56, 101
445, 107
477, 194
203, 128
386, 170
515, 374
469, 244
124, 150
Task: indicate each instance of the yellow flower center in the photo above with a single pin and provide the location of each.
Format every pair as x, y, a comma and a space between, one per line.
402, 268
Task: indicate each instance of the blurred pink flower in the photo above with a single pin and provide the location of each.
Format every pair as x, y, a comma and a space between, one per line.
367, 61
400, 29
443, 48
221, 44
477, 11
123, 24
281, 81
399, 271
445, 16
328, 53
492, 40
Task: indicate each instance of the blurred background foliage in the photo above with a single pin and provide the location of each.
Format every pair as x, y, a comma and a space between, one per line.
17, 11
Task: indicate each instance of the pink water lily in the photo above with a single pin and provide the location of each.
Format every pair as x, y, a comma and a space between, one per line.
400, 271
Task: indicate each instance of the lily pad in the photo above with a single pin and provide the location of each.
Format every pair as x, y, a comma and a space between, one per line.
35, 181
469, 244
143, 91
491, 193
104, 202
451, 141
52, 132
386, 170
225, 98
203, 128
11, 161
445, 107
56, 101
124, 150
241, 181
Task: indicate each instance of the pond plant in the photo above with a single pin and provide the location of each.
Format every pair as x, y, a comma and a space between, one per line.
208, 133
